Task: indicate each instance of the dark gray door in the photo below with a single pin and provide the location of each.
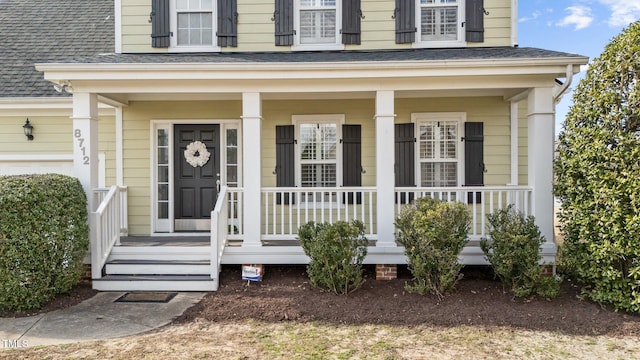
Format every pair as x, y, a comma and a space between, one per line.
195, 187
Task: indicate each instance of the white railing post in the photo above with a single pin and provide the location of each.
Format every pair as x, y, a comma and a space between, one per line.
219, 234
96, 248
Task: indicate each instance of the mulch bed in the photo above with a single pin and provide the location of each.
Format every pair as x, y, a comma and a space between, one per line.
479, 300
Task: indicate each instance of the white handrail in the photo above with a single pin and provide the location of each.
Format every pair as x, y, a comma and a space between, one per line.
286, 209
219, 234
105, 225
481, 200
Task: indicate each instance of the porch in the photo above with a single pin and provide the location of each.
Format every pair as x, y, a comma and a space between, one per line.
192, 261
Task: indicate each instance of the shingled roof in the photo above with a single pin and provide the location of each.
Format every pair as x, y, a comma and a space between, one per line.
49, 31
481, 53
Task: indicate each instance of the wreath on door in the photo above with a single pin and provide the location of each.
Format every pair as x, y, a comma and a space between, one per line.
196, 154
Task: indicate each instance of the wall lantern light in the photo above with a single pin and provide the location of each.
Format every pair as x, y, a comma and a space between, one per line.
28, 130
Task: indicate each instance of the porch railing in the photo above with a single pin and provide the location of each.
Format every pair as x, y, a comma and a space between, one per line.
124, 222
106, 226
235, 204
286, 209
219, 233
481, 201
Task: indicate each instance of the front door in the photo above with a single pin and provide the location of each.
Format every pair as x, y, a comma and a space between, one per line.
196, 175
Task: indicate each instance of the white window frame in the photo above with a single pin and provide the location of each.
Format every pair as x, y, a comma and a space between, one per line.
174, 47
338, 120
167, 226
419, 43
420, 118
337, 45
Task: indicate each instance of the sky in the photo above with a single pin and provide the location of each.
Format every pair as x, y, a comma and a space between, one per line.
581, 27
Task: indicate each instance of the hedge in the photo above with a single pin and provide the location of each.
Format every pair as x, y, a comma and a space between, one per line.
44, 237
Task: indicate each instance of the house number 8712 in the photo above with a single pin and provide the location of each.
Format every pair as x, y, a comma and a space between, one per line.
77, 133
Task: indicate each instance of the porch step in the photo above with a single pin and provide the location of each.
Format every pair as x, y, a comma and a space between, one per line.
161, 253
154, 283
157, 267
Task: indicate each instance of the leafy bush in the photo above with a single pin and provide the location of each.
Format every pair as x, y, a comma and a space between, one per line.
598, 176
433, 233
513, 250
43, 238
336, 251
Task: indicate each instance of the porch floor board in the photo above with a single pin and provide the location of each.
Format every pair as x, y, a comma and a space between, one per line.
195, 240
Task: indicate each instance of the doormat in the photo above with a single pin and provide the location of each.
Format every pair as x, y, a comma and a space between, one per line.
147, 297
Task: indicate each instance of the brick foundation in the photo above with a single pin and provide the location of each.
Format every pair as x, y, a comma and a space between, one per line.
86, 275
548, 270
386, 271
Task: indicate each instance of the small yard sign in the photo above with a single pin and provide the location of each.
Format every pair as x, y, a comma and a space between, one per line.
252, 272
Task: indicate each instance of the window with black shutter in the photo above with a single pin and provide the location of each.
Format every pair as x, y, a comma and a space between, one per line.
160, 23
285, 161
474, 157
283, 18
474, 24
351, 16
227, 23
405, 15
352, 161
404, 149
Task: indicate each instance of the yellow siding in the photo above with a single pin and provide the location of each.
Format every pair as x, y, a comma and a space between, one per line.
54, 135
256, 30
523, 141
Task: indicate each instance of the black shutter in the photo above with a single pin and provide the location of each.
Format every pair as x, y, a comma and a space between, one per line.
405, 14
351, 13
285, 160
474, 22
474, 157
404, 158
283, 17
160, 30
352, 160
227, 23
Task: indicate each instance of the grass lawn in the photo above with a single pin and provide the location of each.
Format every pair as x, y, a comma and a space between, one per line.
248, 339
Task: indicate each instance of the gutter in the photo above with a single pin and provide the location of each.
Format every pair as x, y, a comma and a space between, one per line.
564, 87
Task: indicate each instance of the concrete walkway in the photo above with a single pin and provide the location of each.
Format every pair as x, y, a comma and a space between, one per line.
99, 317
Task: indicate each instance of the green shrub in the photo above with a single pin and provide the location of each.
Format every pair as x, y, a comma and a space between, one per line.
336, 251
513, 250
598, 176
43, 238
433, 233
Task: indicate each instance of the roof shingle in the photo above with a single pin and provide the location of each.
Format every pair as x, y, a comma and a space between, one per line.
49, 31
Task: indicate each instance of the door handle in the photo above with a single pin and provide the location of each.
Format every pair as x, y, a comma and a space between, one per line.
218, 182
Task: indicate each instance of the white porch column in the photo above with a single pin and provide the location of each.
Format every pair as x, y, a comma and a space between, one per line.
514, 143
85, 144
541, 117
251, 167
385, 178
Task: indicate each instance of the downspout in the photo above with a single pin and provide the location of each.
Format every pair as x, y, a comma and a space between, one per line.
564, 87
514, 23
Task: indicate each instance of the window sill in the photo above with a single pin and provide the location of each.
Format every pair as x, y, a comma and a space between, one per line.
194, 49
317, 47
439, 44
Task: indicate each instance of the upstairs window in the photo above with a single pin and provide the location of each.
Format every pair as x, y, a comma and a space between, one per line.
439, 23
439, 20
194, 23
317, 23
